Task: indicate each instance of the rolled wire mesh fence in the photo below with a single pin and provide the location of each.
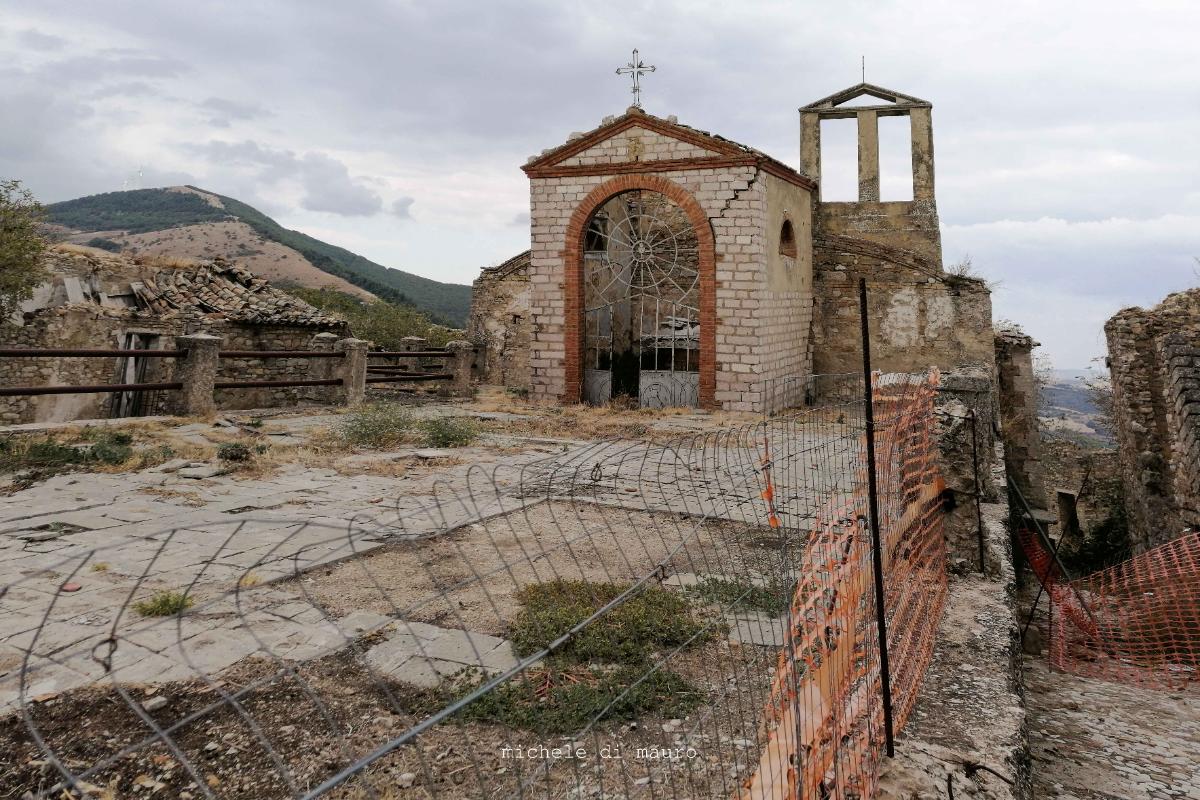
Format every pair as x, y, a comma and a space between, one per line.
1136, 623
625, 619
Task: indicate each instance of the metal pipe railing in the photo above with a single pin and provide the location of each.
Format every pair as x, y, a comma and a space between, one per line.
276, 384
435, 376
25, 391
410, 354
281, 354
88, 353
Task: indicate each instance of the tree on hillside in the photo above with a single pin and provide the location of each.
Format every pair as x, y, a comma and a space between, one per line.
21, 246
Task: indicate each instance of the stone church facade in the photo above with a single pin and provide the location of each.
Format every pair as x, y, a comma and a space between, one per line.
684, 269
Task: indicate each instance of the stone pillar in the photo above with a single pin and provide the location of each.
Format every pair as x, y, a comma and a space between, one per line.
197, 371
810, 146
921, 130
322, 368
1018, 401
352, 369
411, 344
464, 355
868, 156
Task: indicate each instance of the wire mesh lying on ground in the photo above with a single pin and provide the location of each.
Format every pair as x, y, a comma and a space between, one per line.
1136, 623
627, 619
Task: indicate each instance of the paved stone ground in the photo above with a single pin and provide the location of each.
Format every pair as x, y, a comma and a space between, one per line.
76, 550
1093, 740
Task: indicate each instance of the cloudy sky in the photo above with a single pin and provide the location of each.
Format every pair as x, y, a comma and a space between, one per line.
1067, 133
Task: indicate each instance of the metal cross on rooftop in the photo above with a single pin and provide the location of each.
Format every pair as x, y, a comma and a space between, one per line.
635, 69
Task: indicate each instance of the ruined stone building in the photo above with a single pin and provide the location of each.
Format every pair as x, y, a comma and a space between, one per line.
678, 267
102, 301
1154, 361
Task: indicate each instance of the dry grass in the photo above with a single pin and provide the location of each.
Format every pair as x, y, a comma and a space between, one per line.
190, 499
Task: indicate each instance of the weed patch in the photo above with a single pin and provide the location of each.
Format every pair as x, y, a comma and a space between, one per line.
376, 425
560, 700
656, 619
163, 604
449, 431
742, 595
49, 456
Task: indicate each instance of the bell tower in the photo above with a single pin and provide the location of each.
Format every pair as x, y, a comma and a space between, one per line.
908, 224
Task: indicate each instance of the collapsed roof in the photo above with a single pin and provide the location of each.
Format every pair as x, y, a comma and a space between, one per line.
216, 290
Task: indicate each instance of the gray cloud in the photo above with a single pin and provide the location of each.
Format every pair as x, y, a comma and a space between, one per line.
36, 40
402, 207
326, 182
328, 187
1070, 169
222, 112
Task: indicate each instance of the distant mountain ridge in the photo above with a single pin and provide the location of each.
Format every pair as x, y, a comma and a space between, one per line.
189, 221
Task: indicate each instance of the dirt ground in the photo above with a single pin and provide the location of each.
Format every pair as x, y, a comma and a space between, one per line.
269, 728
468, 578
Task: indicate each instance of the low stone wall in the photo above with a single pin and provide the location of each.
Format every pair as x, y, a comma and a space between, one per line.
75, 328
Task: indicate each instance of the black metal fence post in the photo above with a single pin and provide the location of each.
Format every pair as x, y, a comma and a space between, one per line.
978, 490
873, 504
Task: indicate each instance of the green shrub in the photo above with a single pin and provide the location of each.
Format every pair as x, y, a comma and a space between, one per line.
104, 244
384, 323
377, 425
111, 447
234, 451
656, 619
163, 604
42, 454
449, 431
557, 700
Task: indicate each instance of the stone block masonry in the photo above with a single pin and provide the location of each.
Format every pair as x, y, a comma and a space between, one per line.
1018, 400
1154, 362
755, 290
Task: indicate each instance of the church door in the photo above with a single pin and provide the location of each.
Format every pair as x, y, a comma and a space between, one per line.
641, 303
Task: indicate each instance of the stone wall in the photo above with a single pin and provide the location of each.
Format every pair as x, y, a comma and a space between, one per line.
499, 324
963, 414
1018, 400
911, 226
78, 328
1154, 361
919, 316
269, 337
1179, 353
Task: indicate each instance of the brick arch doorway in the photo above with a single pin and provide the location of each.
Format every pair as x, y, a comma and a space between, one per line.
633, 247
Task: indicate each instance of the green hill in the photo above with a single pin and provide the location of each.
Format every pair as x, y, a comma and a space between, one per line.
146, 210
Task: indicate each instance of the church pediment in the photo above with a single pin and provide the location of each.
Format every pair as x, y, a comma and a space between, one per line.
634, 138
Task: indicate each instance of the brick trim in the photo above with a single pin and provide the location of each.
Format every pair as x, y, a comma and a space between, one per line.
633, 119
572, 259
781, 171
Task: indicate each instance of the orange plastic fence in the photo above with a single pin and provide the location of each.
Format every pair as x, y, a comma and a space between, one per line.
824, 718
1137, 623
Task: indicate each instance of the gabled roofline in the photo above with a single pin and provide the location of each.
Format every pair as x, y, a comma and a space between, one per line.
635, 118
897, 102
727, 152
